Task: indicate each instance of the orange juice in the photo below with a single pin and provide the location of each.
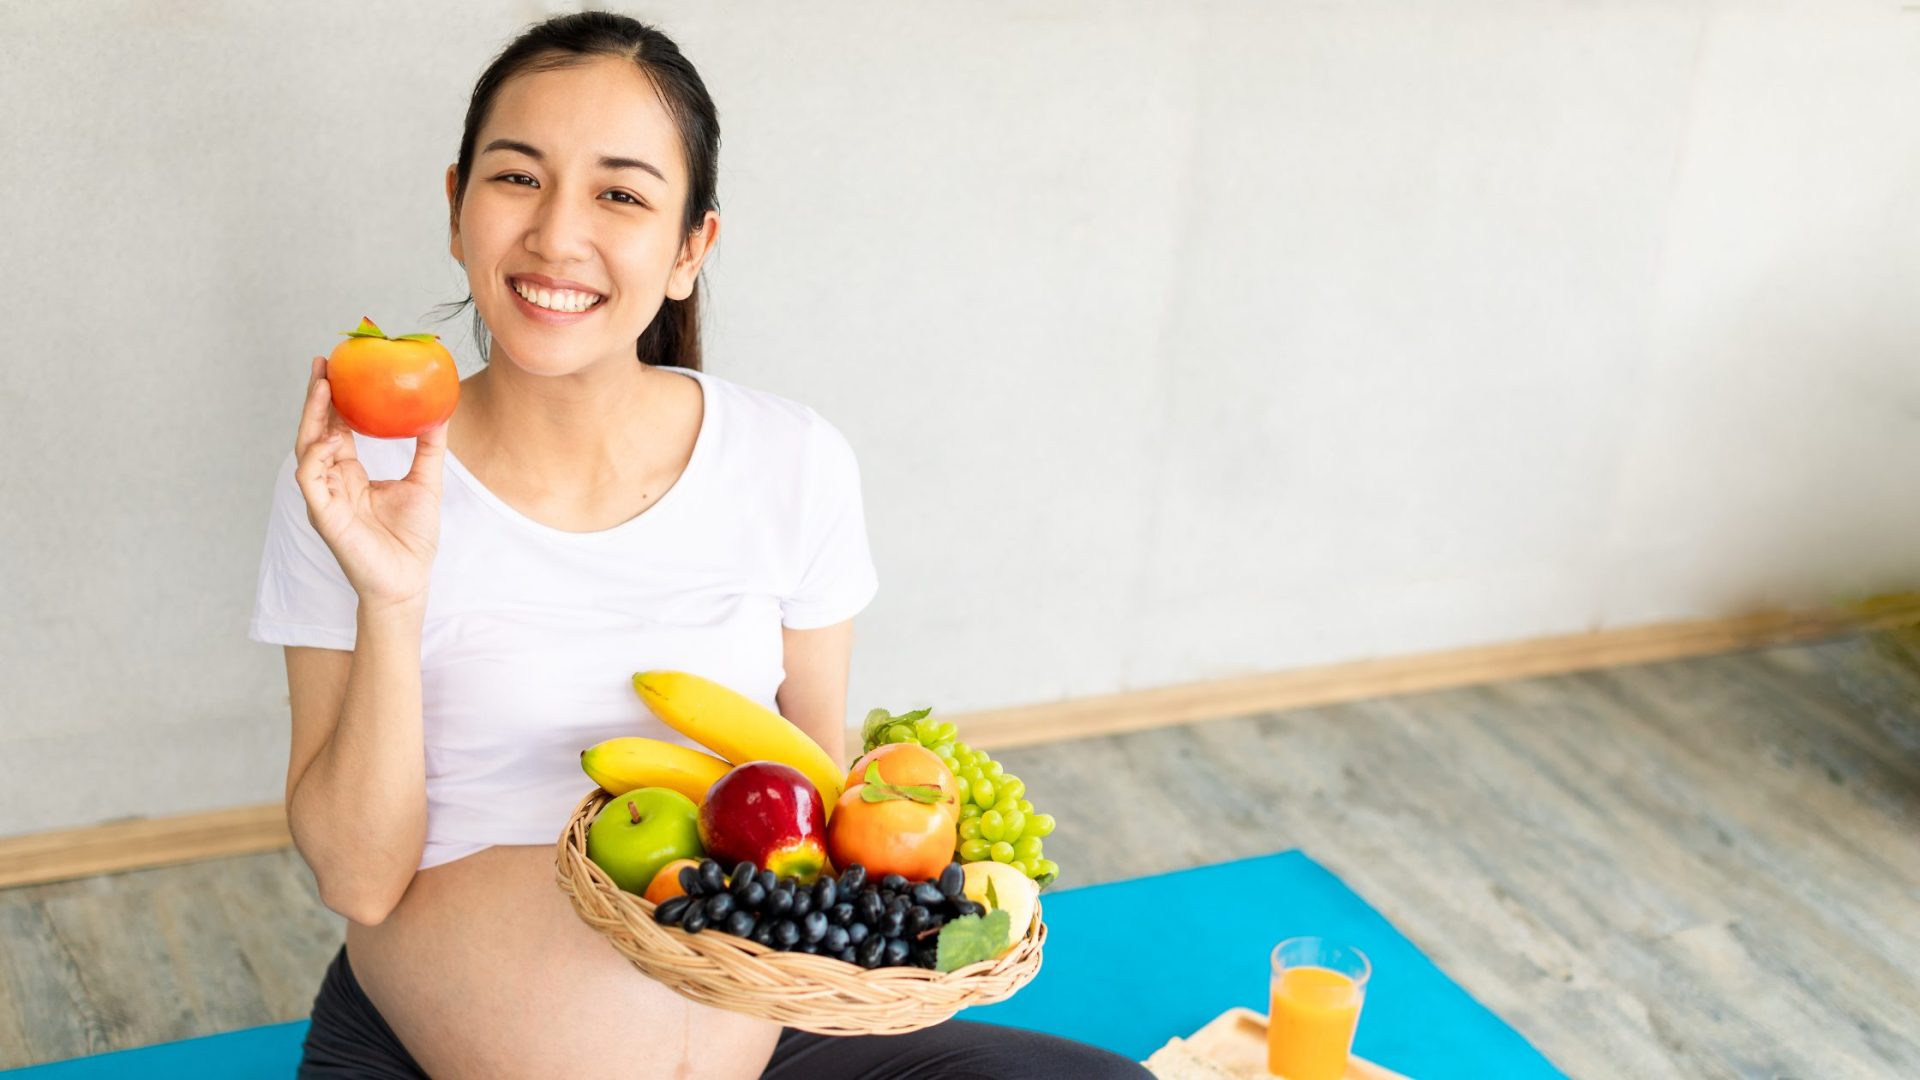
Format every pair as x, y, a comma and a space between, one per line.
1310, 1029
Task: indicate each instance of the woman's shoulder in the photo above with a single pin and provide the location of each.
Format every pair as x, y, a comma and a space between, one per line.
763, 416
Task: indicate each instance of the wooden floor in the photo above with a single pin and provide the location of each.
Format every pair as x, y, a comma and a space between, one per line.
1706, 868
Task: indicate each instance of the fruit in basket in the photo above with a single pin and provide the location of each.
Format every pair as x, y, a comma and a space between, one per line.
994, 809
908, 763
392, 388
735, 726
904, 827
666, 883
636, 834
1000, 887
767, 813
620, 765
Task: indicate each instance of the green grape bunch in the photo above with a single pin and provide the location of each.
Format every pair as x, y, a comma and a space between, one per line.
996, 820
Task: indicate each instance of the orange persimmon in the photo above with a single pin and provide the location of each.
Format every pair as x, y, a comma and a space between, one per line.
898, 815
392, 388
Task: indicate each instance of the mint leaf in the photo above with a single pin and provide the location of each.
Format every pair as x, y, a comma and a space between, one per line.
973, 938
874, 728
877, 719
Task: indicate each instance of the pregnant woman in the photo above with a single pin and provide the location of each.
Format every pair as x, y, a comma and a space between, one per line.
462, 613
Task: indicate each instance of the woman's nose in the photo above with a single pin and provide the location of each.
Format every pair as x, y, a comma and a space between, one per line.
561, 230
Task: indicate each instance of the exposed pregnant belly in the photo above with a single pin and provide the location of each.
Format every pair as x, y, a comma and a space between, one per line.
484, 971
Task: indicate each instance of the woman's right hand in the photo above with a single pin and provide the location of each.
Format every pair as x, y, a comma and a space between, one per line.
383, 532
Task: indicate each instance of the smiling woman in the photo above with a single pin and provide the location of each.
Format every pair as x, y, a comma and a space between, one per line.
612, 507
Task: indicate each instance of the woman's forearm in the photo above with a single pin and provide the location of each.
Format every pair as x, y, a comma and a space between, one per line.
359, 813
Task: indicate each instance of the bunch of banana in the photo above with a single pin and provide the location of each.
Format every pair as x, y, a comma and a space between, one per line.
736, 727
630, 762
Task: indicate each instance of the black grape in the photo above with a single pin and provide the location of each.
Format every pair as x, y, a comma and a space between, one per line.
835, 939
719, 906
802, 902
893, 883
742, 877
896, 951
754, 895
813, 926
690, 880
848, 955
857, 933
869, 907
767, 879
852, 878
952, 881
872, 952
712, 878
785, 934
779, 901
763, 934
669, 911
927, 894
892, 923
824, 894
695, 920
742, 924
917, 919
841, 914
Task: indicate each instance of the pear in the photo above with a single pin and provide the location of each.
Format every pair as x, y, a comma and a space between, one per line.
1015, 891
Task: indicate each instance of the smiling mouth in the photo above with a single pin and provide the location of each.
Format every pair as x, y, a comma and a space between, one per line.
565, 301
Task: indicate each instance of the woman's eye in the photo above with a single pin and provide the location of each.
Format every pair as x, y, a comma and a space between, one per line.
510, 177
627, 197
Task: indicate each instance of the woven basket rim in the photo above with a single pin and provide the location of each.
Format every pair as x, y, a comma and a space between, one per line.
815, 993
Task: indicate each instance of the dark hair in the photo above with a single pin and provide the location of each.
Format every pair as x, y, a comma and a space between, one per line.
673, 338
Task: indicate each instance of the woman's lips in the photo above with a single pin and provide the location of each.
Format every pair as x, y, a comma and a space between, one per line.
547, 315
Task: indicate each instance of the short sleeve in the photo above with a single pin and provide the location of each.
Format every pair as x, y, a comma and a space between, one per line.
304, 597
836, 578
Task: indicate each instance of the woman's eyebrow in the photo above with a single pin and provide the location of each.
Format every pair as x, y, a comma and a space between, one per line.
605, 162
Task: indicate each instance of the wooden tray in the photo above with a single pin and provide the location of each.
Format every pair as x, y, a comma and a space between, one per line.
1235, 1044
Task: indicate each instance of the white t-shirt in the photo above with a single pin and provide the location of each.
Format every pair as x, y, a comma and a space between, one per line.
533, 634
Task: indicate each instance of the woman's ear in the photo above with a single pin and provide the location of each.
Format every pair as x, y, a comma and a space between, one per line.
686, 269
453, 216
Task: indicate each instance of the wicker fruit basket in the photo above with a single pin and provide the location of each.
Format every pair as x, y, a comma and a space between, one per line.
800, 990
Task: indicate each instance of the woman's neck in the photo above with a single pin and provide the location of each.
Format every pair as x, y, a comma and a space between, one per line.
569, 433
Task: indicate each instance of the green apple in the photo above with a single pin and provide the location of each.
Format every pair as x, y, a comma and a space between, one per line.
638, 833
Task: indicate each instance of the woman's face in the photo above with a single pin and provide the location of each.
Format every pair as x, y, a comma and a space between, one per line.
577, 178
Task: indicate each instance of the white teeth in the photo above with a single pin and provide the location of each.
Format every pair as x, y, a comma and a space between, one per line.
556, 299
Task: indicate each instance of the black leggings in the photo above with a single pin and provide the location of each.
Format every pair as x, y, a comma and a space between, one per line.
349, 1039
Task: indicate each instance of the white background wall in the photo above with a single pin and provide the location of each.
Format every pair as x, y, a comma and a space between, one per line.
1178, 341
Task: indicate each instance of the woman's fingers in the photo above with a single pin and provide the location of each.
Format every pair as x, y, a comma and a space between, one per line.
313, 415
429, 453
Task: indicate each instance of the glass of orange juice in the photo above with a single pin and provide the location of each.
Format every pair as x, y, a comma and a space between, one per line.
1318, 986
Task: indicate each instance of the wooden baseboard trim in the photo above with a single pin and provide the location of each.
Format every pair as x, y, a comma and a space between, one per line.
1331, 684
141, 844
150, 842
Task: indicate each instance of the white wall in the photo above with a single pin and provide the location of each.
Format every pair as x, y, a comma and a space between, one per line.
1177, 341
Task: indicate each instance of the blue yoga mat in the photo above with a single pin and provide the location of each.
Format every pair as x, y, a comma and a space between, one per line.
1129, 965
1134, 963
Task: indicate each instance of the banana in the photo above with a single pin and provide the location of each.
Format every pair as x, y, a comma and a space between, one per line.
629, 762
735, 726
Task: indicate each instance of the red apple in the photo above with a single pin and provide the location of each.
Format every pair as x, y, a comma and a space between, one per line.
768, 814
